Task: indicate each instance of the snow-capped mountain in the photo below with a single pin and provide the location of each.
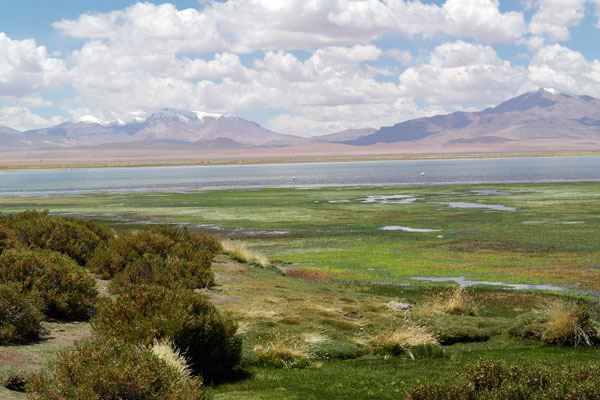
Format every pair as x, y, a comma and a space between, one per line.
165, 125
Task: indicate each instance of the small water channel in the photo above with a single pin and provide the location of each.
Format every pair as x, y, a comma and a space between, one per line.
464, 282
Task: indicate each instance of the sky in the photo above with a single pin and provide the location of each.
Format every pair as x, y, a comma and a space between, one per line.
303, 67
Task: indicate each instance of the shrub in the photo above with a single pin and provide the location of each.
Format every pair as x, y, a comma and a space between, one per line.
493, 380
456, 302
110, 370
74, 237
240, 252
397, 340
151, 269
145, 313
194, 250
558, 322
20, 317
7, 236
68, 291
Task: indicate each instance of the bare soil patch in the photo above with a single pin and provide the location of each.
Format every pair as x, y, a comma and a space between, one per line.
11, 358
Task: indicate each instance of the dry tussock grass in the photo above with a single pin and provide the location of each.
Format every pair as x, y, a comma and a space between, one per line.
166, 351
567, 323
281, 351
400, 338
239, 251
458, 302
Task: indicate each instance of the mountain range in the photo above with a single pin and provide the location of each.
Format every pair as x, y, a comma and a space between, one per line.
543, 115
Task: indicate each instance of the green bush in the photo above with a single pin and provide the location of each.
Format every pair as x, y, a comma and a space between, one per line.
151, 269
194, 252
108, 370
77, 238
67, 290
7, 237
493, 380
20, 317
145, 313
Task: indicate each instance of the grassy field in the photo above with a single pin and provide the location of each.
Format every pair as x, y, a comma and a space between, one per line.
321, 307
552, 236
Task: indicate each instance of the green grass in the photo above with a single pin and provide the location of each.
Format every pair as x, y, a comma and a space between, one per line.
338, 249
553, 237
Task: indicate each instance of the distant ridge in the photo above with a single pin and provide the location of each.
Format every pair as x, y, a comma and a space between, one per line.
169, 124
540, 114
543, 118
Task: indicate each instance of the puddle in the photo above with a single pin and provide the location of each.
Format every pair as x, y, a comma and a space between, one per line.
463, 282
440, 236
490, 192
551, 222
407, 229
390, 283
391, 199
338, 201
462, 204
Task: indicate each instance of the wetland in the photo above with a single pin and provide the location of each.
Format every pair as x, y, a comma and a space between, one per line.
341, 255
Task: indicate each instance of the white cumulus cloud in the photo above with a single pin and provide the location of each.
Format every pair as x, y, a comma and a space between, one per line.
26, 68
462, 73
554, 17
561, 68
22, 118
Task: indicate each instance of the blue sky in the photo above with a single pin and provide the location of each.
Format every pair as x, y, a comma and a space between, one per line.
294, 66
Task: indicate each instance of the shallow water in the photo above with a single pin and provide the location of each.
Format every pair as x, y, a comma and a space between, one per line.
463, 282
462, 204
390, 199
368, 173
407, 229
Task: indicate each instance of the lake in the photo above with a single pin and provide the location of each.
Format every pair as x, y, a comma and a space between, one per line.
367, 173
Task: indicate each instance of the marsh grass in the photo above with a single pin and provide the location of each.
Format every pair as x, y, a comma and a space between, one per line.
456, 302
239, 251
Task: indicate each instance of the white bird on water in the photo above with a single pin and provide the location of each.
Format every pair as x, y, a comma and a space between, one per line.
422, 173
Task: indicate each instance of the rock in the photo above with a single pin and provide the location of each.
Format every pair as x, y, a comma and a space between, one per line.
353, 315
400, 306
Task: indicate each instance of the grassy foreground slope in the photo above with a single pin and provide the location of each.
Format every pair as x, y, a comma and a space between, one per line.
328, 329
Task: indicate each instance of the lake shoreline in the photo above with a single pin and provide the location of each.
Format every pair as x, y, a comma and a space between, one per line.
288, 160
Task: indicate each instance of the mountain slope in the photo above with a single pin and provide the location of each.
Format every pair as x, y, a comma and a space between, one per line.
348, 134
541, 114
166, 125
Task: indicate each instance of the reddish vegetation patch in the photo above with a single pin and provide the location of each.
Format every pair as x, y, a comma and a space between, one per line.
11, 358
310, 274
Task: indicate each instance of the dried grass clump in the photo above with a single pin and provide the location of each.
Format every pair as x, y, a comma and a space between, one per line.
558, 321
281, 352
239, 251
166, 351
568, 323
456, 302
398, 340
